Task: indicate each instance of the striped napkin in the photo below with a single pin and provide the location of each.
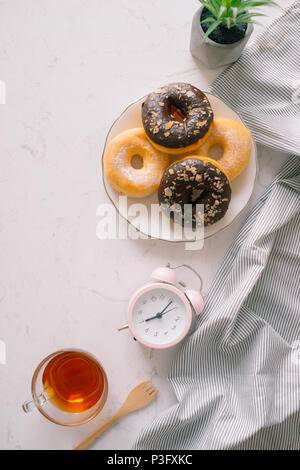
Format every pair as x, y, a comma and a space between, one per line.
237, 378
264, 85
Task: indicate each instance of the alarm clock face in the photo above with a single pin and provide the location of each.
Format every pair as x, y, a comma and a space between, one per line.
159, 316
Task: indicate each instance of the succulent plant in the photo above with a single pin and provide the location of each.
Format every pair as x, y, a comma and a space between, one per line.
229, 13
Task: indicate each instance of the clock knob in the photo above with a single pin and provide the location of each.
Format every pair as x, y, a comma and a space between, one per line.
195, 299
164, 274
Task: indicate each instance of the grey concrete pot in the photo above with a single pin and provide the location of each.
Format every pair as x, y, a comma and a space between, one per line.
211, 53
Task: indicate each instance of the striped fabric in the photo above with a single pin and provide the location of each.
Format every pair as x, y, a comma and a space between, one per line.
264, 85
237, 378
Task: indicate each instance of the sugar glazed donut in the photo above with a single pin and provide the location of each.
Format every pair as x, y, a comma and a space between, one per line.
177, 118
195, 180
118, 167
235, 139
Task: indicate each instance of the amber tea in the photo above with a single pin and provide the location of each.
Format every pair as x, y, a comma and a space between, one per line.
73, 381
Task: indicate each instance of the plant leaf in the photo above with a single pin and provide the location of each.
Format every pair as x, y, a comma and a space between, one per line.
235, 12
211, 29
231, 12
236, 3
246, 17
216, 4
251, 21
254, 4
228, 22
209, 5
222, 12
252, 14
250, 5
208, 20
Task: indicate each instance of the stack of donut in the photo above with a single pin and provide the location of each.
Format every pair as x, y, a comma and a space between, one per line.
178, 121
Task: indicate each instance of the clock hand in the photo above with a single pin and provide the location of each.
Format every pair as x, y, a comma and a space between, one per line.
151, 318
169, 310
160, 314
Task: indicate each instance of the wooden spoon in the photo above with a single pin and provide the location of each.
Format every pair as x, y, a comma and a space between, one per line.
141, 396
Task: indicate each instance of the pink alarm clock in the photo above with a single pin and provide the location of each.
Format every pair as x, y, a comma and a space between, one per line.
160, 314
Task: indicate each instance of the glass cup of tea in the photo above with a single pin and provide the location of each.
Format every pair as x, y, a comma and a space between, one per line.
69, 387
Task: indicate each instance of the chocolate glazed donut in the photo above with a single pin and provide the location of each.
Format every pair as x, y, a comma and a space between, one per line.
192, 181
177, 117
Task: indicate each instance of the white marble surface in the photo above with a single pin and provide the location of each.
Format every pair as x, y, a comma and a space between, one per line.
70, 67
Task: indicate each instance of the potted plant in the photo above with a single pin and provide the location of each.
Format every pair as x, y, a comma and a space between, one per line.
221, 29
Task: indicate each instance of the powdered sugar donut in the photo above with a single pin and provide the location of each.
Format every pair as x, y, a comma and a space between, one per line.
119, 170
235, 139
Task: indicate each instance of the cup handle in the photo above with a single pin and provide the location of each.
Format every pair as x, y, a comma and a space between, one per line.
29, 405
